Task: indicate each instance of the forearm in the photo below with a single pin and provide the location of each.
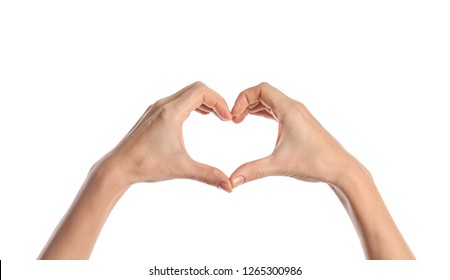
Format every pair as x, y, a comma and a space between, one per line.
76, 234
377, 231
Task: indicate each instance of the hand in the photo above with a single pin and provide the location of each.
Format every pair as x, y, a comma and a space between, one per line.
304, 149
152, 151
154, 148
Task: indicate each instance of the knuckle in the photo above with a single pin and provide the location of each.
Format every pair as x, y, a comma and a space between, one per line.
158, 103
196, 90
167, 112
198, 85
243, 98
203, 178
264, 85
257, 172
215, 172
300, 106
207, 175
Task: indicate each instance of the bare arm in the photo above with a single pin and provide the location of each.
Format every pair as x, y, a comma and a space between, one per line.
377, 231
76, 234
306, 151
152, 151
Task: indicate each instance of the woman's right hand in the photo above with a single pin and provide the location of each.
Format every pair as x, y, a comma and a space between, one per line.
154, 148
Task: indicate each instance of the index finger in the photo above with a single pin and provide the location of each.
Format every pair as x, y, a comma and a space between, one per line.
197, 95
263, 93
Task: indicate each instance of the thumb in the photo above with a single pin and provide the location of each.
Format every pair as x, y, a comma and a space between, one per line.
252, 171
208, 175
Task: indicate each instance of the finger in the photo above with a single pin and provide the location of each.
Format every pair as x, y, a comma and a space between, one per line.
158, 104
264, 111
172, 97
208, 175
253, 170
263, 93
241, 117
204, 112
255, 105
265, 114
198, 110
205, 108
163, 101
258, 107
199, 95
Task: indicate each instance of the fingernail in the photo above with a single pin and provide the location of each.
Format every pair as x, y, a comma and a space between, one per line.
236, 181
223, 186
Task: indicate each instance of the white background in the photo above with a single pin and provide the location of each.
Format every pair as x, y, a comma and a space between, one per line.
76, 75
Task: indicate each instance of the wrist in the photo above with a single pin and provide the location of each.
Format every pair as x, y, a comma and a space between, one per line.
351, 175
108, 177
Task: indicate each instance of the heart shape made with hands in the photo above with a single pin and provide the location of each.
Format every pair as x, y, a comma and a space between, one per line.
307, 151
227, 145
243, 144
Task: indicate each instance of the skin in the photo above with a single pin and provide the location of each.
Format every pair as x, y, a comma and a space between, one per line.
154, 151
306, 151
